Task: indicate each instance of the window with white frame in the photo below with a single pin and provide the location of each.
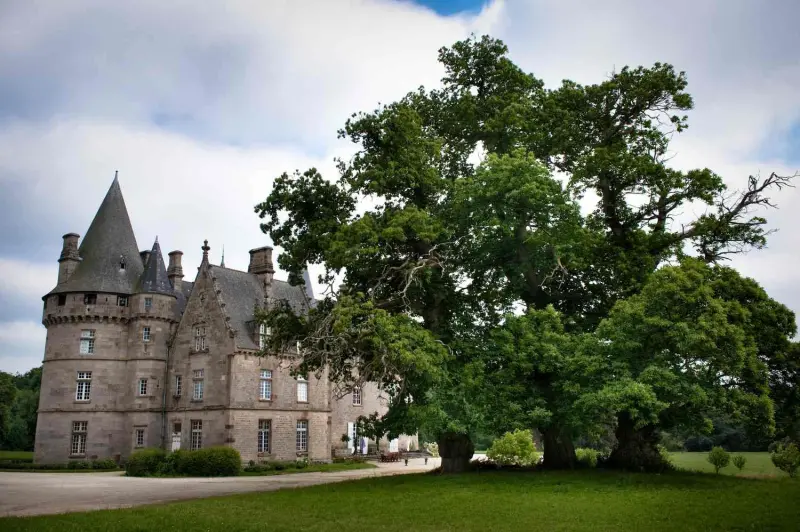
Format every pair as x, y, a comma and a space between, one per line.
83, 388
178, 385
263, 435
145, 334
87, 341
138, 437
302, 435
197, 434
122, 301
357, 396
80, 430
142, 388
200, 339
265, 385
302, 389
198, 382
148, 303
263, 333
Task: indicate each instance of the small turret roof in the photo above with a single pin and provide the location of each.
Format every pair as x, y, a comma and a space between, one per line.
154, 279
110, 260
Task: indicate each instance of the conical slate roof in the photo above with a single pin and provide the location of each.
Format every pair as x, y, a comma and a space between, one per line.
154, 279
110, 260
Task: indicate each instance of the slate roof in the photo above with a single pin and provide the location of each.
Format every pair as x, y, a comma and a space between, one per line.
183, 296
154, 279
108, 242
242, 292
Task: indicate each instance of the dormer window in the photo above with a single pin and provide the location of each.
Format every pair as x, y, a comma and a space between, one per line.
263, 333
121, 263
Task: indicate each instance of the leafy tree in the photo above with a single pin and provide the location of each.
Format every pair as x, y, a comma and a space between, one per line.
7, 394
441, 251
739, 462
787, 459
513, 448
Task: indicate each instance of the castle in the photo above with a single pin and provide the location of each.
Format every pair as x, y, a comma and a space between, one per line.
138, 357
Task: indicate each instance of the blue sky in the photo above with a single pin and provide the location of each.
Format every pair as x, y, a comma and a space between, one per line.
201, 105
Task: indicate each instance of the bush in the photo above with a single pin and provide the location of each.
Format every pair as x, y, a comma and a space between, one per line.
587, 457
432, 448
210, 462
739, 461
719, 458
513, 448
145, 462
787, 459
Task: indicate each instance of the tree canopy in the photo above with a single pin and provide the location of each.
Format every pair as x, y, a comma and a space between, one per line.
477, 291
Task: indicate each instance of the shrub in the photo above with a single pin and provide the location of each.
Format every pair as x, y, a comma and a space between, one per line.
787, 459
587, 457
432, 448
145, 462
210, 462
719, 458
513, 448
739, 461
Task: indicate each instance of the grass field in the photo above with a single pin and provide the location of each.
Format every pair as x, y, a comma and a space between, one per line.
758, 465
586, 500
16, 455
314, 468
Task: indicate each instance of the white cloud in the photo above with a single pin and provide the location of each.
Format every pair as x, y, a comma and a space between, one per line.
201, 105
21, 345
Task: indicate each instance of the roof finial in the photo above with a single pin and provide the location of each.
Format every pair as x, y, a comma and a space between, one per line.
156, 239
222, 263
205, 249
116, 172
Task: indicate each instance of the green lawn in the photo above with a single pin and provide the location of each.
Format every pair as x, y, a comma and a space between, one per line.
16, 455
585, 500
758, 464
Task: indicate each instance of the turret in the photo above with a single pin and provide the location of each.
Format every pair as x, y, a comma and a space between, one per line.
175, 270
70, 258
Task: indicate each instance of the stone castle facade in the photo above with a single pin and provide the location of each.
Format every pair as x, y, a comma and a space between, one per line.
137, 357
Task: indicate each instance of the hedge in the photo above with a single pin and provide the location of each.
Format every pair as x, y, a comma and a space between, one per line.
74, 465
210, 462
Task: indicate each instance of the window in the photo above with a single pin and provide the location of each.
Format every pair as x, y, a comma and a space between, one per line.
142, 387
90, 299
62, 300
198, 377
302, 389
357, 396
122, 301
265, 386
84, 387
87, 342
145, 334
197, 434
79, 432
148, 303
199, 338
302, 436
263, 435
263, 334
121, 263
138, 438
178, 385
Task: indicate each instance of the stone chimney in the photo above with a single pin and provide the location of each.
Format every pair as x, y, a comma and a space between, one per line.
175, 270
69, 259
261, 264
145, 256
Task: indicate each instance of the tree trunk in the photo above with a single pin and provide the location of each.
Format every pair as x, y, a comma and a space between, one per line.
636, 449
559, 451
456, 451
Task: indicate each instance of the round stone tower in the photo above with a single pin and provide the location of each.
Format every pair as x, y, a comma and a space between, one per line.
93, 326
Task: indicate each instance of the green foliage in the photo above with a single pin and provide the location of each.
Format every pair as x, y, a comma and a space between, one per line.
719, 458
588, 457
210, 462
145, 462
19, 402
432, 448
739, 461
787, 459
513, 448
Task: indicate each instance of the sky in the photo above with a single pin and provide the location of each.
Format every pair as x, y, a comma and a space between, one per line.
200, 105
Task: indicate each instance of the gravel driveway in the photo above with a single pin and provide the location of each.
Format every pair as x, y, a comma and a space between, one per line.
53, 493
